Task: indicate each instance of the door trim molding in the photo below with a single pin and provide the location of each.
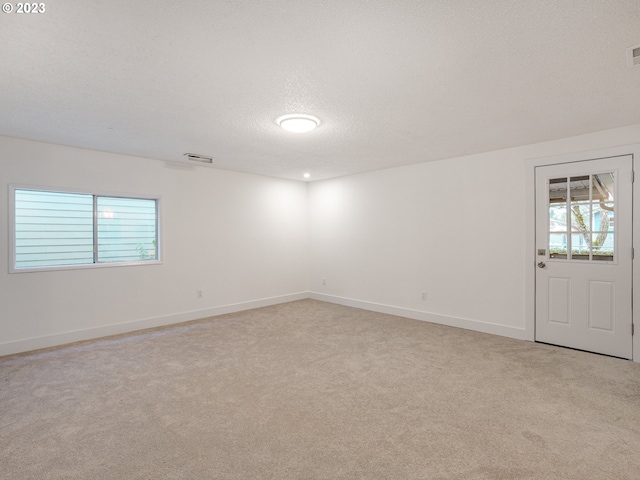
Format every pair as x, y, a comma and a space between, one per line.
530, 228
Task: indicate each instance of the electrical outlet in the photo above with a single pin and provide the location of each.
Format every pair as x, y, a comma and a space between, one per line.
324, 281
424, 295
199, 293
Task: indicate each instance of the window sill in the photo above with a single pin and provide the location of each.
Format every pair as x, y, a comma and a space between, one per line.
85, 266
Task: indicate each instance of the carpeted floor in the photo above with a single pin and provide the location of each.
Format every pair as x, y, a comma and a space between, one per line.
310, 390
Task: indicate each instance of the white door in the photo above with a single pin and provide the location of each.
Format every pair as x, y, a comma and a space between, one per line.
584, 255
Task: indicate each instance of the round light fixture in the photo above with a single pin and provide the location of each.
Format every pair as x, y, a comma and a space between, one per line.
298, 123
307, 175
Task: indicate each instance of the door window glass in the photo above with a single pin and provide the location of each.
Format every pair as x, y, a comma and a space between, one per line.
581, 217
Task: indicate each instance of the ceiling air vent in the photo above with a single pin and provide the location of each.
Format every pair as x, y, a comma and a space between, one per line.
198, 158
633, 56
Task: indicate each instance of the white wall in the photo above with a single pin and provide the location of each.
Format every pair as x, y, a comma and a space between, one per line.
242, 239
455, 229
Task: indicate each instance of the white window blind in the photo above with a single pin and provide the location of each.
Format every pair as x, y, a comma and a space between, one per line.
61, 229
52, 228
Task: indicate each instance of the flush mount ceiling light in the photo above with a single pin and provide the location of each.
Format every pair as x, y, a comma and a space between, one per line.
298, 123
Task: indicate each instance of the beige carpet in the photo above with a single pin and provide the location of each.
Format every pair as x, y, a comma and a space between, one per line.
310, 390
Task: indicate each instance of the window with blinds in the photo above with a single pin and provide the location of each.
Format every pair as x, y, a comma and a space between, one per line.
64, 229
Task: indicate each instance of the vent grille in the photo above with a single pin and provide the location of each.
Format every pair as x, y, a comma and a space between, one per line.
198, 158
633, 56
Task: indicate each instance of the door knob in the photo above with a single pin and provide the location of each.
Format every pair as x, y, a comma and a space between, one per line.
541, 264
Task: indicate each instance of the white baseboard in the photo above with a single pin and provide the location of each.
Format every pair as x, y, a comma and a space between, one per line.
484, 327
29, 344
36, 343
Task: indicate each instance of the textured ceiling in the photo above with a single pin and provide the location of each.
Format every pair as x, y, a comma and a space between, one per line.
393, 82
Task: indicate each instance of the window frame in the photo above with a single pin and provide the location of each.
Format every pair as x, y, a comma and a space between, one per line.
12, 228
569, 256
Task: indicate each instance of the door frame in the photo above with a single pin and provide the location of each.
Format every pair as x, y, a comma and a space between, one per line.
530, 231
